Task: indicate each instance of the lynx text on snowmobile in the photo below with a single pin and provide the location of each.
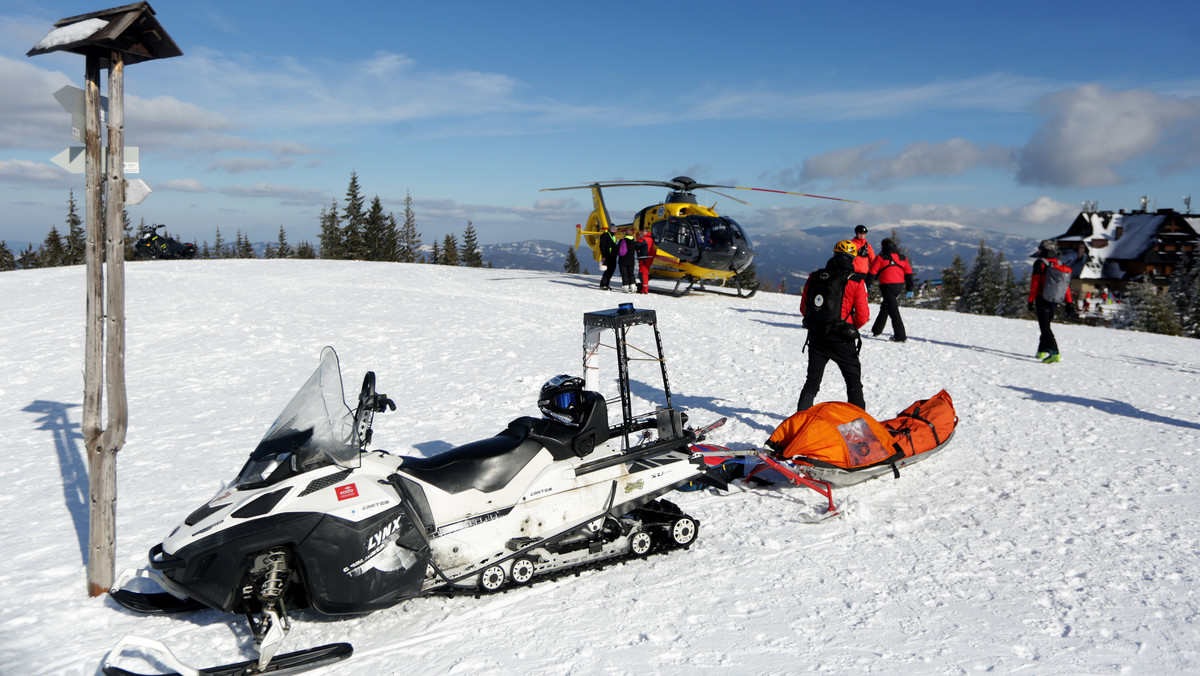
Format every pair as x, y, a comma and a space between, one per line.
315, 520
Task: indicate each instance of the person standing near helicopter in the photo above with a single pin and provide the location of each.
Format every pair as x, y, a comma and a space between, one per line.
627, 260
608, 256
834, 307
645, 254
865, 257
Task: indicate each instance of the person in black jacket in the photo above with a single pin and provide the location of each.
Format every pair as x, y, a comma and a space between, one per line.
608, 256
627, 260
895, 275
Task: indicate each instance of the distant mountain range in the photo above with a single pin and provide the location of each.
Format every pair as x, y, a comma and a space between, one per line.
931, 247
793, 254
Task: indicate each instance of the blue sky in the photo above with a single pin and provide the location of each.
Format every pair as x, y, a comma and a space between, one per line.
1005, 116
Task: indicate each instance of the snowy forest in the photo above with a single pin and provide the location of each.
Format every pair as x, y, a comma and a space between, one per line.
357, 230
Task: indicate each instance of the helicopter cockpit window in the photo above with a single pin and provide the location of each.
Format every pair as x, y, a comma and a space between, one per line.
679, 232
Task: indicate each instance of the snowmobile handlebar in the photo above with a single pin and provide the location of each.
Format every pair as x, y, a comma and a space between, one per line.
380, 403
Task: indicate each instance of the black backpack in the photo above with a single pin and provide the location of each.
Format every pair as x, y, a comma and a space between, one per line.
823, 312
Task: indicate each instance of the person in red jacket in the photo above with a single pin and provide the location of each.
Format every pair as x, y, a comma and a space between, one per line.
1047, 255
895, 275
645, 253
841, 349
865, 255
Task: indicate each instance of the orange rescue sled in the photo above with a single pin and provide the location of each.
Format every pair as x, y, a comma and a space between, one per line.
839, 444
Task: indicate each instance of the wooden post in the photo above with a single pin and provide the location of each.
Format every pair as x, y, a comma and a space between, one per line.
94, 329
102, 445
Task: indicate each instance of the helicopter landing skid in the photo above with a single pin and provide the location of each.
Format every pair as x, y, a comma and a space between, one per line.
720, 291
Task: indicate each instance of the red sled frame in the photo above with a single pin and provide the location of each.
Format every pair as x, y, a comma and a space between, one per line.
798, 478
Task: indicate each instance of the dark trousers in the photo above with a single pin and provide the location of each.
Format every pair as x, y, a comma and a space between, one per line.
1045, 313
889, 308
610, 266
845, 355
627, 278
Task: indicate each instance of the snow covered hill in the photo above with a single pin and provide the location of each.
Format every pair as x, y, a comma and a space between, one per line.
1058, 533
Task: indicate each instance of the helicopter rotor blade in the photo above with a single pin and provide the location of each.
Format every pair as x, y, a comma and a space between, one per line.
684, 186
784, 192
730, 197
616, 184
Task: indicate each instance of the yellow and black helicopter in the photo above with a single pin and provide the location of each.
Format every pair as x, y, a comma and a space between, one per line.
695, 244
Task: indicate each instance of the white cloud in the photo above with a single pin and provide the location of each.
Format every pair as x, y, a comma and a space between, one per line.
1041, 218
243, 165
285, 193
868, 166
1092, 131
33, 173
182, 185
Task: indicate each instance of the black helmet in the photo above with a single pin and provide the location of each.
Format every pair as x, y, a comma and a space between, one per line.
860, 229
562, 399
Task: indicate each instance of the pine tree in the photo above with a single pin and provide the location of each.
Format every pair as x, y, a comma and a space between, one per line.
450, 249
218, 250
952, 283
1012, 296
409, 241
1184, 289
52, 253
469, 252
305, 250
354, 223
984, 289
435, 256
1145, 309
572, 265
76, 242
127, 234
282, 248
7, 260
379, 234
28, 259
332, 245
244, 249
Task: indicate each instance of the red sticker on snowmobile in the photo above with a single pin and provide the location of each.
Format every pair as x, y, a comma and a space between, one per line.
346, 492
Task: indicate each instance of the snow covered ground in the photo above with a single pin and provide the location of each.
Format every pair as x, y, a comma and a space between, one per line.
1058, 533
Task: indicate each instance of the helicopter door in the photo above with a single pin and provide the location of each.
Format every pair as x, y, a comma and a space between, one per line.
680, 240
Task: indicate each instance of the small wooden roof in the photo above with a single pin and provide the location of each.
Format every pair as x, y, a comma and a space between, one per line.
130, 29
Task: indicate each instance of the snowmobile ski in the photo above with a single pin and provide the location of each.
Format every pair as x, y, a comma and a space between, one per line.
154, 603
291, 663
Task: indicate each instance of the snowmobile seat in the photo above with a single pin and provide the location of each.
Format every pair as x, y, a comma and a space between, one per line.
486, 465
564, 440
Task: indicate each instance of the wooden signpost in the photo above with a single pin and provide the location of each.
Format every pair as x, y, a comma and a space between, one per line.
109, 39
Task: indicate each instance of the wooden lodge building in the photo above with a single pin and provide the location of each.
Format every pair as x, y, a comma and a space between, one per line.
1107, 249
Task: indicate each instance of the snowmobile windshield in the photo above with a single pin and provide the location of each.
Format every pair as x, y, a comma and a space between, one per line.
315, 429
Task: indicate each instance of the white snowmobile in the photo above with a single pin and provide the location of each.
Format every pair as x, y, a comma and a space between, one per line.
315, 520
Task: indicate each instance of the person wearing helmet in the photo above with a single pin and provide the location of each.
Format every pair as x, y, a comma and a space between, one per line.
562, 399
834, 306
864, 254
1044, 308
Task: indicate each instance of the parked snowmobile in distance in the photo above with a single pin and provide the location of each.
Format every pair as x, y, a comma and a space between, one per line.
150, 244
315, 520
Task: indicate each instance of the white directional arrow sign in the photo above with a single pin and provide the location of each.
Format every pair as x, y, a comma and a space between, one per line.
72, 160
72, 100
